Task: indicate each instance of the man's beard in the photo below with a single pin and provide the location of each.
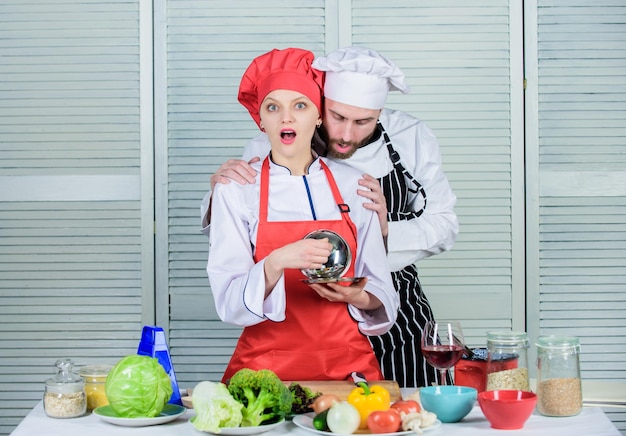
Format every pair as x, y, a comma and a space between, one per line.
334, 154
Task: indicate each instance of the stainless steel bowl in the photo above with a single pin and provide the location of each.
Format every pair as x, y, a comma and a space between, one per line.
338, 261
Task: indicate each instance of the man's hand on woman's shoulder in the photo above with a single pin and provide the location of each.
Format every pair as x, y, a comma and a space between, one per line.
235, 169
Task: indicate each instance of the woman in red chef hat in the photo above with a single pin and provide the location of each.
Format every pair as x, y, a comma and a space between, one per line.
300, 331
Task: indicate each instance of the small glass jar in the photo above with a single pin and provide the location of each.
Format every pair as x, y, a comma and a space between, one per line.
510, 347
559, 389
95, 377
64, 396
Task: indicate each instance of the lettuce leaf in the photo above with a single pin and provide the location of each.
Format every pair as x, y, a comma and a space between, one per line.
215, 407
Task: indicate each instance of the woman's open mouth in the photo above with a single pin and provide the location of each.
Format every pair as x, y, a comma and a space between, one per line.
287, 136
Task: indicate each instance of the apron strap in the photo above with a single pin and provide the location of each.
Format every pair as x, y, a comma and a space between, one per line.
343, 207
395, 159
264, 188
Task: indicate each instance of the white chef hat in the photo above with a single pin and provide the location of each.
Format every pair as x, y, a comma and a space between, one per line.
360, 76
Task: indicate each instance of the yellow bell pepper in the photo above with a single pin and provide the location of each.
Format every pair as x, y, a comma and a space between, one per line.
368, 399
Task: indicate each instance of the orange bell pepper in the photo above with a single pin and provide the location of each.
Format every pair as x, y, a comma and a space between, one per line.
368, 399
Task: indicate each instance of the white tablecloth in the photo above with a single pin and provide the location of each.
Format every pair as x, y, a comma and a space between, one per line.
591, 421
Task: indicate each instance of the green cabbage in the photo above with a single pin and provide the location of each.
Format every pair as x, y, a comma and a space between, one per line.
215, 407
138, 386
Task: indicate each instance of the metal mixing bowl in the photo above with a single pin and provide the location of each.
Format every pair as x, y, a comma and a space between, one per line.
338, 261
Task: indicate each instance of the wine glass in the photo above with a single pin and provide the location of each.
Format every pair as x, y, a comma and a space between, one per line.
443, 345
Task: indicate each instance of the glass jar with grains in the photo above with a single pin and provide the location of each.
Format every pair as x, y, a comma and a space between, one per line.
501, 346
64, 396
95, 377
559, 391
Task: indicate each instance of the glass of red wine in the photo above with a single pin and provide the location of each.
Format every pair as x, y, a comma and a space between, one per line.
443, 345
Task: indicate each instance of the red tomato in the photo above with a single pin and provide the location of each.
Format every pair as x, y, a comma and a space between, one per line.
407, 406
384, 421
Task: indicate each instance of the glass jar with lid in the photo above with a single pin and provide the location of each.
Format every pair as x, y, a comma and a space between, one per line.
95, 377
64, 395
507, 360
559, 388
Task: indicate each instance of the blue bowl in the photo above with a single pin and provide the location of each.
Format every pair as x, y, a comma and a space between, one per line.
449, 403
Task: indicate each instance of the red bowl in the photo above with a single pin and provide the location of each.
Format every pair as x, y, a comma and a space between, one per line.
507, 409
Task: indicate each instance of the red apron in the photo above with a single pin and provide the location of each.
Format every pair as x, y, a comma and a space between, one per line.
318, 340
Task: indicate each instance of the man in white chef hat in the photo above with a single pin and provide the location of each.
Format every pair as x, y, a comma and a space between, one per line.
403, 177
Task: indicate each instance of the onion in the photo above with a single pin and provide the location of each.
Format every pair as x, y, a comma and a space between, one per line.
324, 402
343, 418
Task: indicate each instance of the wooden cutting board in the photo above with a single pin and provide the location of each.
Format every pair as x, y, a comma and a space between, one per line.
342, 388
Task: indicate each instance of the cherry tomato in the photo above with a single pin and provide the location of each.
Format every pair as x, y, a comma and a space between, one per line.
323, 402
384, 421
406, 406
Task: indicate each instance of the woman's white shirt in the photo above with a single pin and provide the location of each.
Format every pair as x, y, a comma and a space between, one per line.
238, 283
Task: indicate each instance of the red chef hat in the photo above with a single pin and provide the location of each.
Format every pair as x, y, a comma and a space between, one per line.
280, 69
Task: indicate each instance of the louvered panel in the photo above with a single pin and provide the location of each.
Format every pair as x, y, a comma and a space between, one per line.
446, 52
456, 59
209, 46
583, 43
582, 279
70, 207
70, 287
582, 292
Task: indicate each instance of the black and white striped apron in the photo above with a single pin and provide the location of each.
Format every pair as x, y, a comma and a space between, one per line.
398, 350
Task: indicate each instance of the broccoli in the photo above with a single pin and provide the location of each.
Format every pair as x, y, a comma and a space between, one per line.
264, 396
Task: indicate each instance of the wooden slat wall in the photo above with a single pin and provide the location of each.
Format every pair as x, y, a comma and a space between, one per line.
70, 219
582, 55
582, 161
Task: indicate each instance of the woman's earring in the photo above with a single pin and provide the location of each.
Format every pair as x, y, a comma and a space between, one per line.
319, 124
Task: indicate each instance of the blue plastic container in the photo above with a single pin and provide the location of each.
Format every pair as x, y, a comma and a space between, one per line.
153, 344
